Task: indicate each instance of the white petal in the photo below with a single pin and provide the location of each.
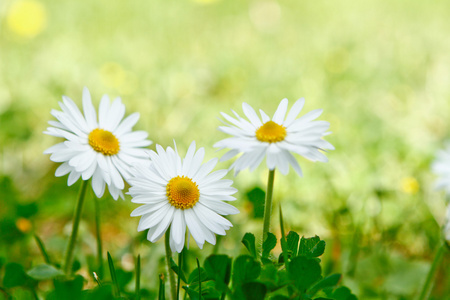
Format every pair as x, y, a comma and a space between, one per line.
98, 184
280, 113
89, 110
196, 162
293, 113
73, 177
265, 118
126, 124
251, 115
103, 112
178, 227
63, 169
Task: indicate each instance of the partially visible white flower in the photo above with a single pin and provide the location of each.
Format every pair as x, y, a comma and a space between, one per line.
441, 167
274, 138
447, 225
180, 193
103, 149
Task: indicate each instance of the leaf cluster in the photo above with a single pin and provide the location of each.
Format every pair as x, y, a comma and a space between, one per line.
295, 274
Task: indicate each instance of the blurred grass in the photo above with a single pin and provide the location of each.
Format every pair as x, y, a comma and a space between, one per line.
379, 69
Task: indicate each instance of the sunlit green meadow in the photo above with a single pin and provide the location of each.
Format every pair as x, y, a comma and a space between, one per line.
379, 69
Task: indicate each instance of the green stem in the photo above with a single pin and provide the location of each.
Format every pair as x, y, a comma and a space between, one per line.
268, 204
98, 237
138, 278
217, 245
180, 263
431, 274
76, 222
199, 279
173, 288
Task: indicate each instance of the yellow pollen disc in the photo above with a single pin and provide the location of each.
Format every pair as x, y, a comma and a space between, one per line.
271, 132
182, 192
104, 142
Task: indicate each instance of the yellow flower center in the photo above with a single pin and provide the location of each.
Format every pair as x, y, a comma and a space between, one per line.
271, 132
104, 142
182, 192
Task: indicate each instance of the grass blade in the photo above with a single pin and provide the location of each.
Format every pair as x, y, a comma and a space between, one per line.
138, 278
162, 288
42, 249
97, 279
284, 246
112, 270
199, 280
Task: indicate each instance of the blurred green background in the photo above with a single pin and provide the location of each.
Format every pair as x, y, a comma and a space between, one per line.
378, 68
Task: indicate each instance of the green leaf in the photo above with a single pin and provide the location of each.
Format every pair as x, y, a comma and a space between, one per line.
193, 277
245, 269
22, 293
218, 267
123, 278
67, 289
279, 297
342, 293
269, 243
112, 271
193, 294
254, 290
304, 272
292, 242
327, 282
208, 290
249, 242
104, 292
27, 210
269, 276
44, 272
311, 247
176, 269
14, 276
257, 197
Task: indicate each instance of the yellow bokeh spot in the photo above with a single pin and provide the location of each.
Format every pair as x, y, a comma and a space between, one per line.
26, 18
23, 225
114, 76
182, 192
410, 185
205, 1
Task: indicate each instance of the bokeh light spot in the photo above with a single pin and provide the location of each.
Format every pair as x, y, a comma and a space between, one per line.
27, 18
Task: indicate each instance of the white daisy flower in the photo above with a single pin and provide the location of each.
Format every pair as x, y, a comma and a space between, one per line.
276, 138
103, 149
180, 193
441, 167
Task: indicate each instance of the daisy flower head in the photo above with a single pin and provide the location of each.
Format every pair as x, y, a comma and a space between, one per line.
275, 139
441, 167
102, 148
181, 193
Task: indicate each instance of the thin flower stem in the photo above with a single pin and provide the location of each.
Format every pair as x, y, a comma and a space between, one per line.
98, 237
268, 204
173, 288
76, 222
180, 263
138, 278
431, 274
